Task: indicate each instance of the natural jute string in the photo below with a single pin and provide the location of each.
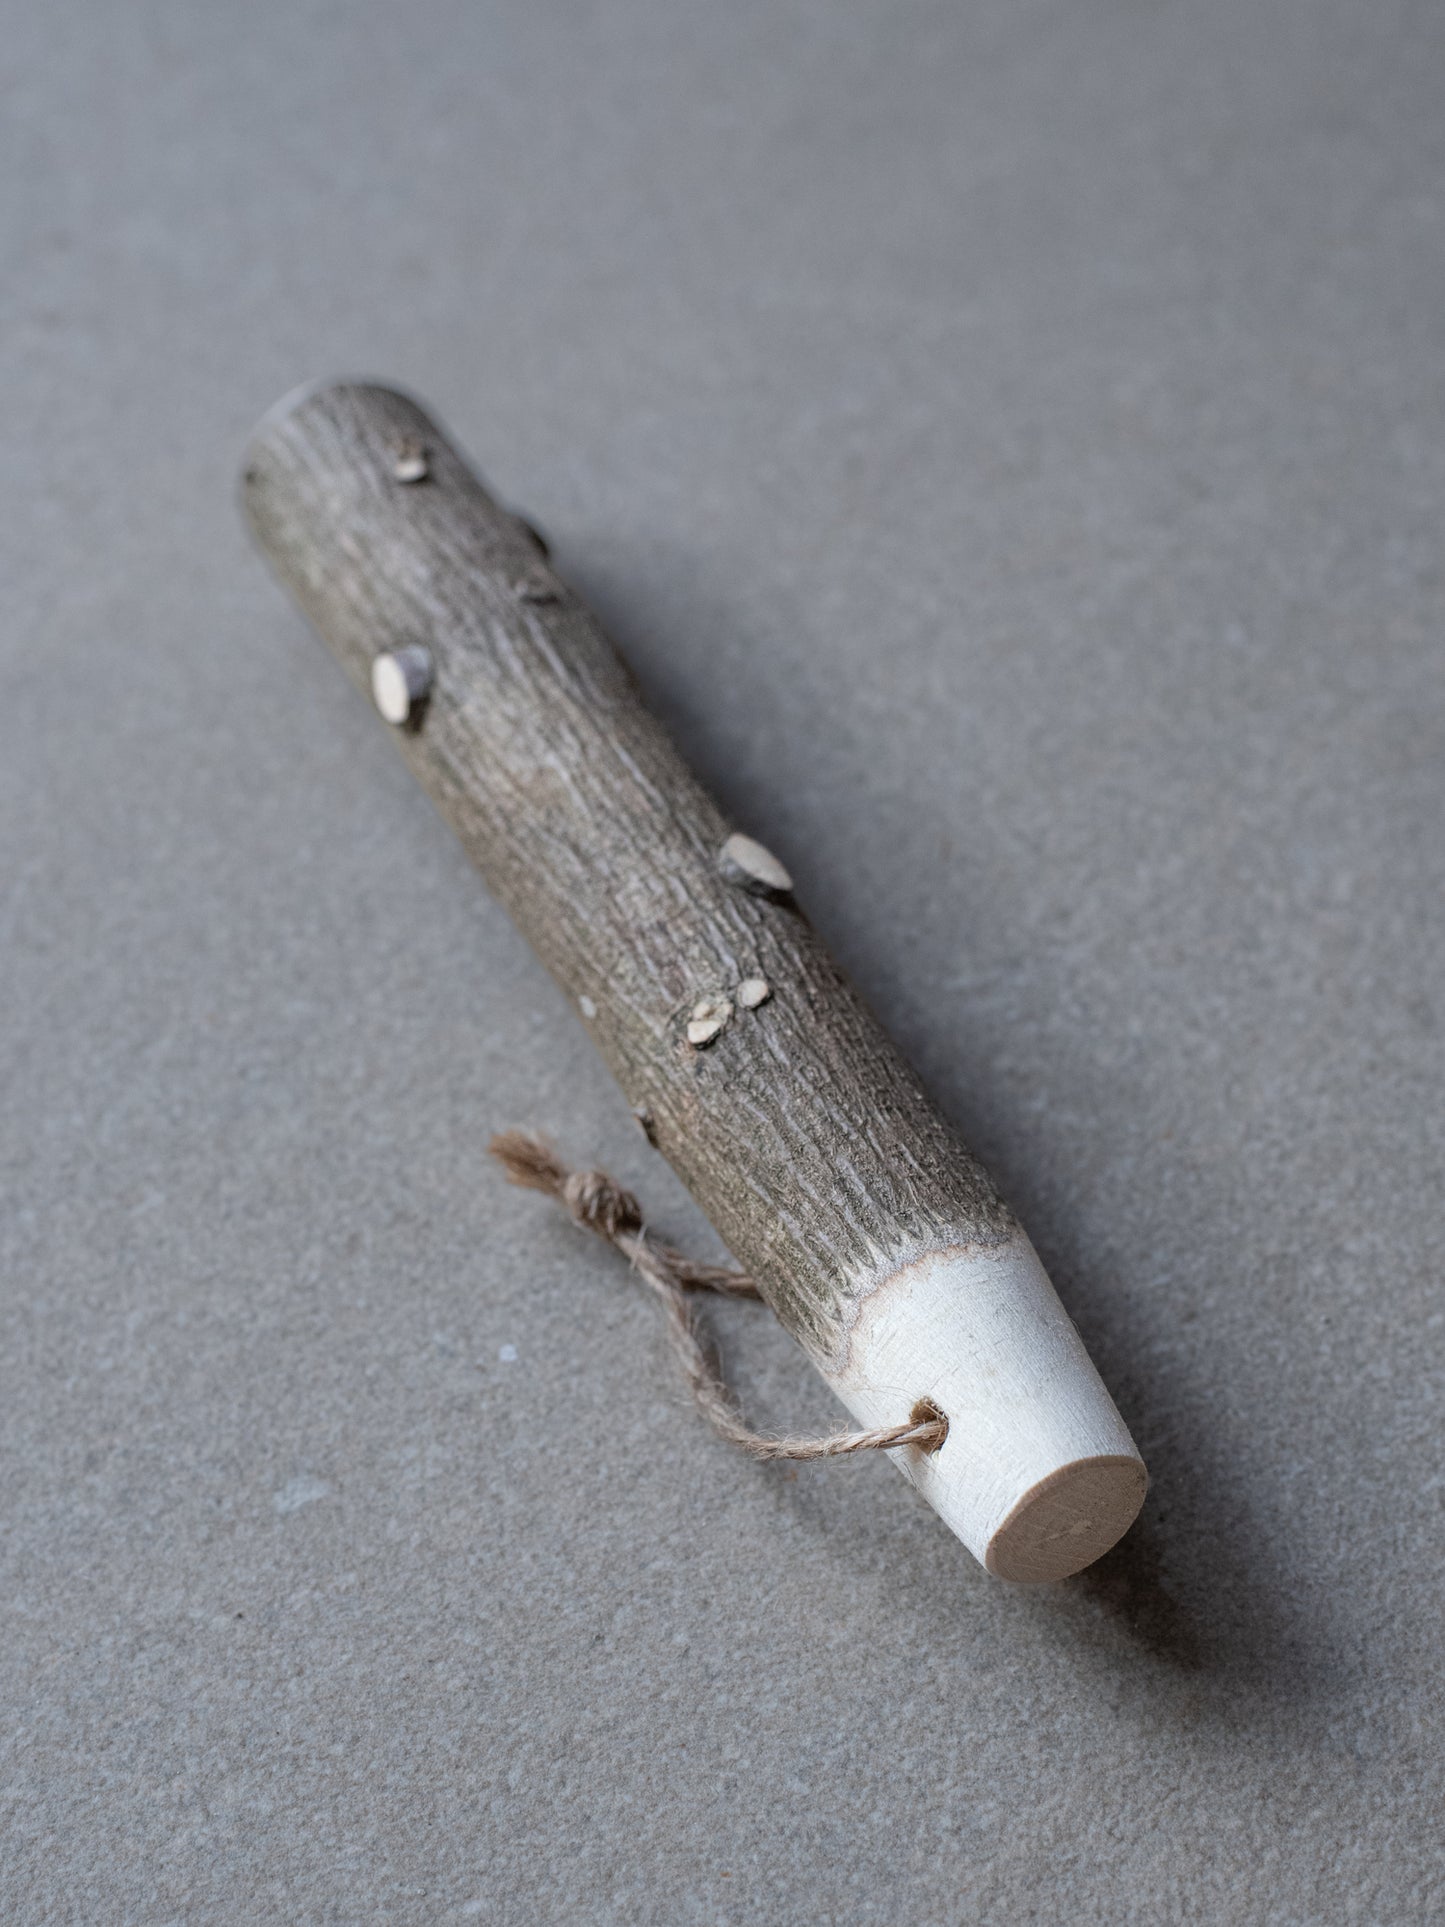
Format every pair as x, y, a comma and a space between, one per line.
601, 1205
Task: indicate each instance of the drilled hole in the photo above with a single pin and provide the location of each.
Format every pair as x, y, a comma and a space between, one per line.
925, 1412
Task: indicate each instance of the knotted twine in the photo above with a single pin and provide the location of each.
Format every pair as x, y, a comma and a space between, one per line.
599, 1204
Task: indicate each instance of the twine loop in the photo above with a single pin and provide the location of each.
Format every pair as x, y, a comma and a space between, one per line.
599, 1204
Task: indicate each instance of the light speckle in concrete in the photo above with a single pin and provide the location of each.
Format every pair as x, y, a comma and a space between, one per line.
299, 1492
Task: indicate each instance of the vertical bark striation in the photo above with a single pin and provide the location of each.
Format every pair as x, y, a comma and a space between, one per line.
799, 1129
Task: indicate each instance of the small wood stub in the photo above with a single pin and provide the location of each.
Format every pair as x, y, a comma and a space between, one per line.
709, 1019
752, 866
411, 463
400, 680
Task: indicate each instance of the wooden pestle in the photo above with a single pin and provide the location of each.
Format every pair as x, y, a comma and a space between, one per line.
750, 1062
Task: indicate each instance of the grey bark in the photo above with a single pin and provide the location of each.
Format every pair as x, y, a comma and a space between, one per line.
797, 1127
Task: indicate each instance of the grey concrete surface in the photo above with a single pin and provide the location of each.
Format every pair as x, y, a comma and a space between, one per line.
1009, 442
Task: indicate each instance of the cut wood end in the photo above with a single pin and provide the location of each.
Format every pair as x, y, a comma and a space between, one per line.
412, 463
709, 1019
755, 867
400, 680
1038, 1474
1068, 1520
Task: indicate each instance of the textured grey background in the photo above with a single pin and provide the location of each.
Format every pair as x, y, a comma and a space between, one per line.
1009, 442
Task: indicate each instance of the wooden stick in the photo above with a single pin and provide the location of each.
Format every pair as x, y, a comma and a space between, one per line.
874, 1235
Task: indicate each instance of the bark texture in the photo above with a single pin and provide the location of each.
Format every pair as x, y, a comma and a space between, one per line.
797, 1127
